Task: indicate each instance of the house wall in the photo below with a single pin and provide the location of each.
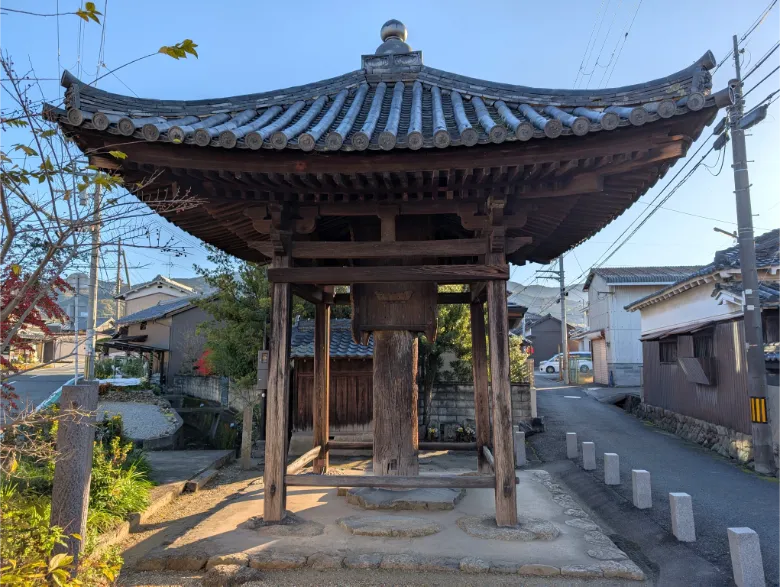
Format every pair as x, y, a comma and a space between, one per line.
147, 298
64, 346
546, 339
685, 308
157, 333
185, 343
723, 404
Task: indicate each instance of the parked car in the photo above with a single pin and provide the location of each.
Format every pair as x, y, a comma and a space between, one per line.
553, 364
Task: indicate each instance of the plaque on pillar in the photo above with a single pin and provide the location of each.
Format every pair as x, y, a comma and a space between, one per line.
394, 306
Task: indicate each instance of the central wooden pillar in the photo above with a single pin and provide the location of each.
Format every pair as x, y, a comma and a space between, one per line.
395, 403
480, 373
503, 446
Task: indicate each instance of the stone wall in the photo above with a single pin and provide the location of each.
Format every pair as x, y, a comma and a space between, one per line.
214, 389
725, 441
453, 406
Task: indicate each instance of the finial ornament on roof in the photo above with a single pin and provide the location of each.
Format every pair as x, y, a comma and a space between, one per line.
393, 34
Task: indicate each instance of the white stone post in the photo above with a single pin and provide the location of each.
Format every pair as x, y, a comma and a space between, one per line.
520, 457
681, 507
611, 468
746, 562
571, 445
640, 487
588, 456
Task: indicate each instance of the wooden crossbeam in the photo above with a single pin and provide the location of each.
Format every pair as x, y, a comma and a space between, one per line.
298, 464
443, 297
312, 294
457, 481
368, 445
443, 274
466, 247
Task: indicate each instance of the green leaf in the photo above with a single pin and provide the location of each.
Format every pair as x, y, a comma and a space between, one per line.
180, 50
59, 561
17, 122
118, 154
49, 133
26, 150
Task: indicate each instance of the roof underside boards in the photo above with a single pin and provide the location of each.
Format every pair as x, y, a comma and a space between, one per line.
570, 161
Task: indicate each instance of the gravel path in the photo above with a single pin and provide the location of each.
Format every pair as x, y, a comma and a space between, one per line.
141, 421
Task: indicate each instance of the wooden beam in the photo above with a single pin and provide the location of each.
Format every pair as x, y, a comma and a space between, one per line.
442, 274
457, 481
312, 294
366, 445
477, 291
321, 391
503, 445
278, 397
298, 464
443, 297
480, 376
467, 247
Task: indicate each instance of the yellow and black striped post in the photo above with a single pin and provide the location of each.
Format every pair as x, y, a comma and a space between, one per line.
758, 410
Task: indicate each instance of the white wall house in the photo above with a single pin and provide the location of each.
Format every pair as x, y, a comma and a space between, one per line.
158, 290
613, 332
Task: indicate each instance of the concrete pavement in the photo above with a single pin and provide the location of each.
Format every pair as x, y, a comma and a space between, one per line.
724, 495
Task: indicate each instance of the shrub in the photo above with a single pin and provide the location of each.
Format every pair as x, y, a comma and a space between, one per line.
133, 367
104, 369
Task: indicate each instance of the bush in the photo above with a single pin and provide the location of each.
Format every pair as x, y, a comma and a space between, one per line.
133, 367
104, 369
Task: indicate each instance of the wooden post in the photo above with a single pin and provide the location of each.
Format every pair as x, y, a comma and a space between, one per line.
246, 431
321, 394
480, 372
73, 470
278, 398
395, 403
503, 449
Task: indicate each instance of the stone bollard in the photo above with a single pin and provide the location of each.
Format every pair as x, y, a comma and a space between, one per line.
588, 456
640, 487
681, 507
611, 468
520, 457
73, 469
746, 562
571, 445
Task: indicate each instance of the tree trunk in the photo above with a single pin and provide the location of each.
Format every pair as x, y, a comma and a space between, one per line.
395, 403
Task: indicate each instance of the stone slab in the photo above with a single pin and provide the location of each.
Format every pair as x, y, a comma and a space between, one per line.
230, 575
389, 526
197, 482
527, 529
520, 455
746, 562
431, 499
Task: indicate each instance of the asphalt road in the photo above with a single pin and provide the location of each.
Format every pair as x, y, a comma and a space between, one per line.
724, 495
35, 386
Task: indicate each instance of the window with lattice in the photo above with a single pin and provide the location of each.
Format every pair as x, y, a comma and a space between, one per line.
668, 351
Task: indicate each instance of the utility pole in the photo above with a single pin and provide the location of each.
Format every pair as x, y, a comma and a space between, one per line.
76, 328
763, 456
564, 329
118, 287
93, 285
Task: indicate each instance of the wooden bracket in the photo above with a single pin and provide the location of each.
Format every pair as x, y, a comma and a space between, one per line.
264, 218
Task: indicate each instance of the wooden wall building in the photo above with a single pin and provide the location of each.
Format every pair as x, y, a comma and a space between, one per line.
351, 372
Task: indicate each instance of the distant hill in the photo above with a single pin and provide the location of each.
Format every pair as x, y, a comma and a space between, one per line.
541, 299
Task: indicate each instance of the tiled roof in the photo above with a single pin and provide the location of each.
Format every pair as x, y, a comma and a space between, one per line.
155, 312
640, 275
392, 101
768, 292
157, 279
767, 255
341, 343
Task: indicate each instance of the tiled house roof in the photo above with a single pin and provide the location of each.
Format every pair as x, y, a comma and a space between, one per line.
159, 279
155, 312
341, 343
641, 275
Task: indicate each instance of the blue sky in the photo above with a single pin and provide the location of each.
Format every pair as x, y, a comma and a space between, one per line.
251, 46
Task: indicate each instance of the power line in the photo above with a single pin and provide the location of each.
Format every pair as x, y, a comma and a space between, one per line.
604, 44
753, 27
745, 95
625, 38
590, 38
761, 61
589, 51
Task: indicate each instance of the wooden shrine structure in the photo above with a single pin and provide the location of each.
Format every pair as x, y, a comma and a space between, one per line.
394, 179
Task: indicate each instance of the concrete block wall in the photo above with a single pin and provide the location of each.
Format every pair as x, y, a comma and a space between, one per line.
454, 403
626, 374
